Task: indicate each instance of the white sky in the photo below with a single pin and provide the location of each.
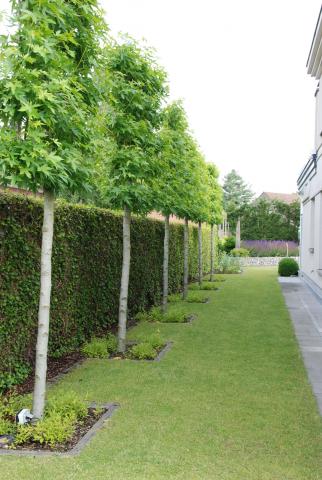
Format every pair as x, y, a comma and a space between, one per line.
240, 68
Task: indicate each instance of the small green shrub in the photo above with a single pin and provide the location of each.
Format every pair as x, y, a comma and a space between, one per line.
143, 351
174, 316
240, 252
175, 297
10, 406
111, 343
229, 244
59, 423
13, 377
203, 286
196, 297
229, 264
155, 340
96, 348
53, 430
288, 267
171, 316
66, 405
7, 427
215, 279
142, 317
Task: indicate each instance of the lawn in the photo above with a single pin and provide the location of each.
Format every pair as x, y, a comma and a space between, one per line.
230, 401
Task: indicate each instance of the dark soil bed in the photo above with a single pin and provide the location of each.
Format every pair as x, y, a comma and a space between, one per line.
56, 366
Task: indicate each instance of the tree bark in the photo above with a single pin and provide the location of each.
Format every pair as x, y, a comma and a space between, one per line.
165, 264
200, 270
125, 280
44, 307
212, 248
185, 259
238, 233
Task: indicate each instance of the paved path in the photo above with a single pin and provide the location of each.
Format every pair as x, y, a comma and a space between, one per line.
306, 312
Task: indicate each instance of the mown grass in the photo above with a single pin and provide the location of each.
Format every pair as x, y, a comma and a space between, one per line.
230, 401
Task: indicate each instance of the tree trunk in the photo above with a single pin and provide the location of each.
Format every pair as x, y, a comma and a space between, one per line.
212, 248
44, 307
238, 234
165, 264
200, 270
125, 280
185, 259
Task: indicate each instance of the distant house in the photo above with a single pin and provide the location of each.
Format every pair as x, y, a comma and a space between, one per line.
310, 182
282, 197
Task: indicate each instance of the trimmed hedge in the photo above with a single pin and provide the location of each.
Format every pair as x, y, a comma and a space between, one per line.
288, 267
87, 260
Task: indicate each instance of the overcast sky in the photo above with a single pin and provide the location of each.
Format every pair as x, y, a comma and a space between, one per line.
240, 68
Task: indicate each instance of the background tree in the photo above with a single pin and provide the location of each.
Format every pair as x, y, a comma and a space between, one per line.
47, 95
137, 89
215, 209
276, 220
237, 194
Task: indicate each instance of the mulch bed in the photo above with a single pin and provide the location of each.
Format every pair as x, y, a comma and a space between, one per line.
56, 366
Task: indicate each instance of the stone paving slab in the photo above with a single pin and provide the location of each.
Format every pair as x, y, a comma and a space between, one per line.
306, 313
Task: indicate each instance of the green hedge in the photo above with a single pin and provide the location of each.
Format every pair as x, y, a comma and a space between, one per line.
87, 259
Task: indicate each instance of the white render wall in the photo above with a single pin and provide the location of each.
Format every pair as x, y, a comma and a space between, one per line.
311, 221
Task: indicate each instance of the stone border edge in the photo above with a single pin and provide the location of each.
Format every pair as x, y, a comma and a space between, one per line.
76, 450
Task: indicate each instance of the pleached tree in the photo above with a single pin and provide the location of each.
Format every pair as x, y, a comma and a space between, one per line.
47, 97
200, 213
133, 118
215, 210
194, 185
169, 186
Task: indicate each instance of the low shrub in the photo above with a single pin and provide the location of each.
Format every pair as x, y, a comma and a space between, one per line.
215, 279
7, 427
111, 343
196, 297
229, 244
96, 348
154, 339
58, 425
203, 286
10, 406
100, 347
66, 405
239, 252
175, 316
171, 316
229, 264
14, 376
288, 267
143, 351
52, 430
175, 297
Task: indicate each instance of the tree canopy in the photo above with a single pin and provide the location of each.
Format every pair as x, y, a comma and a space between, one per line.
47, 93
137, 87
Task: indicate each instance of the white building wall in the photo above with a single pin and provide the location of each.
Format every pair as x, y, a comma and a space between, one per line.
311, 228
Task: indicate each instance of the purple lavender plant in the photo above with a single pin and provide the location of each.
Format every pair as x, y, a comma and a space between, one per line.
271, 248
